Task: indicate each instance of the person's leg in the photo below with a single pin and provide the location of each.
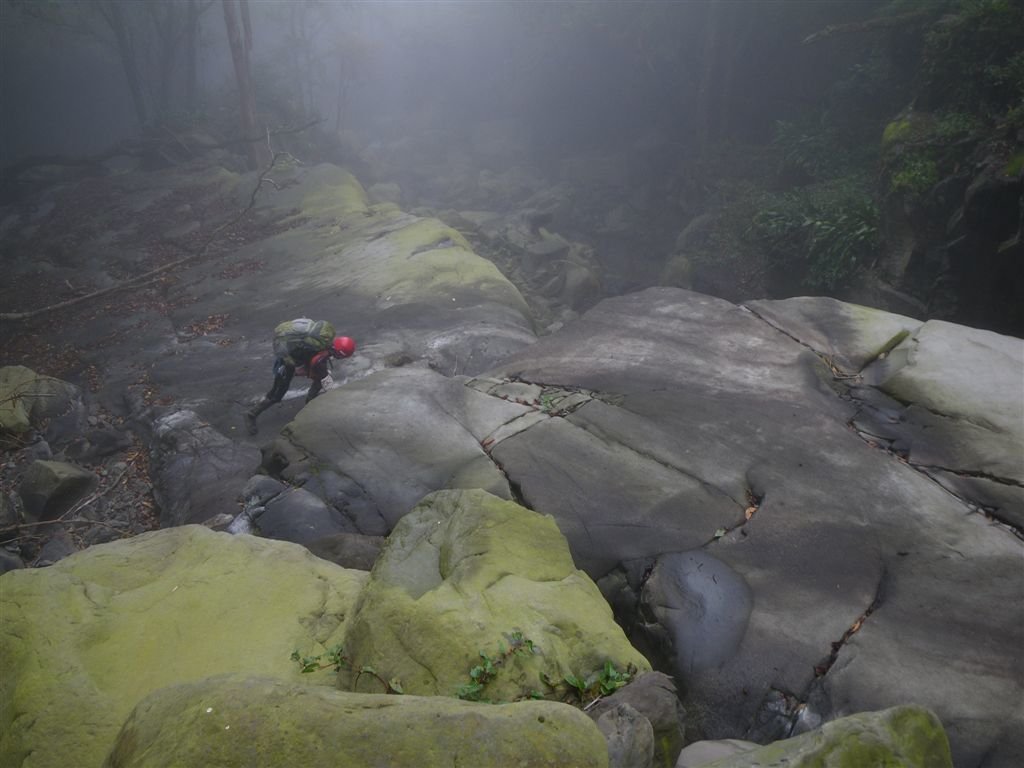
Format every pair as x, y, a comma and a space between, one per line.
283, 374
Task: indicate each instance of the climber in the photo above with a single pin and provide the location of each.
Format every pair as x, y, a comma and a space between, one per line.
301, 346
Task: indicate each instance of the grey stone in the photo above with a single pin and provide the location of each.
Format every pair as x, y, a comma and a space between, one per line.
700, 753
349, 550
57, 548
48, 489
298, 515
654, 696
197, 472
629, 735
9, 561
701, 604
260, 489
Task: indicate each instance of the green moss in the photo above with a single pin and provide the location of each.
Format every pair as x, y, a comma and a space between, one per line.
920, 737
899, 130
915, 174
333, 191
901, 737
890, 344
1014, 165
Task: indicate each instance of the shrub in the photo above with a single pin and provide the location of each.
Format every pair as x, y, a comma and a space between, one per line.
825, 233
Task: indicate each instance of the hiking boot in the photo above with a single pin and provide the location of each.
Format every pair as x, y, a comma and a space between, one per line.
252, 413
250, 423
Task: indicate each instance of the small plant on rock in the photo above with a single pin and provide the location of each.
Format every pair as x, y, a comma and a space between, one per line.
599, 684
334, 658
488, 668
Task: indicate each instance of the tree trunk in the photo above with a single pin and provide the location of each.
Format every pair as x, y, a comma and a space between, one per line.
167, 33
126, 53
191, 53
706, 88
258, 152
341, 91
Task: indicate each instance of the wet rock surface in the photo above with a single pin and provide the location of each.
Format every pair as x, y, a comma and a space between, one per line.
853, 472
740, 443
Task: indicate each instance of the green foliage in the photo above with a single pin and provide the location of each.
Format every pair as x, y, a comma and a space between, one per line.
898, 131
603, 682
819, 153
821, 149
915, 174
1015, 165
334, 658
489, 667
826, 233
972, 58
952, 126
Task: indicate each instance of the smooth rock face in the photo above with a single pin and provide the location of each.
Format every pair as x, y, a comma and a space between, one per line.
400, 285
399, 435
197, 472
695, 425
461, 575
702, 605
274, 724
908, 736
83, 640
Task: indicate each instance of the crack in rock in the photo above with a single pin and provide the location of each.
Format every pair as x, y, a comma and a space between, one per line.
822, 668
753, 505
888, 446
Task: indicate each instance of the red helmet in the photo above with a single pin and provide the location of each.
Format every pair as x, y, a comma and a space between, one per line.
343, 346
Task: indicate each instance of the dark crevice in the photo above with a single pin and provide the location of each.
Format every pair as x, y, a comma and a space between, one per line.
823, 667
972, 474
836, 372
753, 505
901, 455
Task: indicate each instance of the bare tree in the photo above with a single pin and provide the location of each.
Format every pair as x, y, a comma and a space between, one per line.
240, 39
148, 40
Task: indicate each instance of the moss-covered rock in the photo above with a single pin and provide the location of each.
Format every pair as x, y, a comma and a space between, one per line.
273, 724
459, 577
907, 127
901, 737
81, 642
26, 398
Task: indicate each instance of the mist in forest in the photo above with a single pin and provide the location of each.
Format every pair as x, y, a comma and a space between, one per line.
590, 74
740, 149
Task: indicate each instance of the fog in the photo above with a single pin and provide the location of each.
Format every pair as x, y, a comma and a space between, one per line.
574, 74
627, 121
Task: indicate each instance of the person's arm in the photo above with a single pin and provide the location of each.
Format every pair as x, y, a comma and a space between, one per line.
317, 372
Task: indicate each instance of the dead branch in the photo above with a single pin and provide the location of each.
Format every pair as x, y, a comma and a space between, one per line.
134, 148
147, 276
856, 27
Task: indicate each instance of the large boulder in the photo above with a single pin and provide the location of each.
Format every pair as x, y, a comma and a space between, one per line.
274, 724
198, 473
465, 576
906, 736
405, 287
82, 641
407, 432
671, 433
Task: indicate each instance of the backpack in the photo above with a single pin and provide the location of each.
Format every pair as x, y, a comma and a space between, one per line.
296, 341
